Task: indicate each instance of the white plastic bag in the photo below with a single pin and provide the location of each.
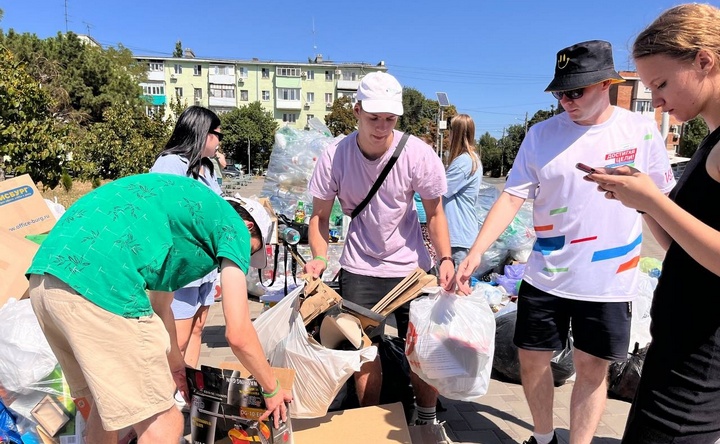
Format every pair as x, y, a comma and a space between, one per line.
320, 372
26, 354
451, 343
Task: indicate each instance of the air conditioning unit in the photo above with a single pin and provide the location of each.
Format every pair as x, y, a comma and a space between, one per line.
197, 102
173, 77
338, 72
303, 75
329, 104
241, 81
307, 106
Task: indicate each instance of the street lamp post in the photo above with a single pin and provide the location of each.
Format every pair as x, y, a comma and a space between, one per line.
249, 170
441, 124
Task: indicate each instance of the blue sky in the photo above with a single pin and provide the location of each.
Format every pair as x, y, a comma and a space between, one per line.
492, 58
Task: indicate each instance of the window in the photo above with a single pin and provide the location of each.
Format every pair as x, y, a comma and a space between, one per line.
150, 89
222, 91
266, 95
242, 72
642, 106
151, 110
349, 75
178, 68
265, 73
287, 71
310, 75
221, 70
197, 93
289, 117
328, 76
310, 97
328, 98
197, 70
288, 93
244, 95
310, 116
156, 66
178, 92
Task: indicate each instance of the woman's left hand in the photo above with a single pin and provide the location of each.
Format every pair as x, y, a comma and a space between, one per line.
628, 185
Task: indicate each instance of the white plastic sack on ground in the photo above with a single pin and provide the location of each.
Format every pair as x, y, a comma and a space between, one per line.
320, 372
26, 355
451, 343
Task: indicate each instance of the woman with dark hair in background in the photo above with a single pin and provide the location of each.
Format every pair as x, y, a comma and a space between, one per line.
192, 145
464, 176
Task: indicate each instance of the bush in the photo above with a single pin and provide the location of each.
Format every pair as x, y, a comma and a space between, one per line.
66, 182
96, 182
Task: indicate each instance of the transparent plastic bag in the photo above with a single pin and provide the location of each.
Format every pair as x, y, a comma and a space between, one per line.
451, 342
320, 372
26, 355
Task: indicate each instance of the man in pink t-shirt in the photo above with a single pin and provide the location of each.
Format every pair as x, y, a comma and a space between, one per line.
384, 242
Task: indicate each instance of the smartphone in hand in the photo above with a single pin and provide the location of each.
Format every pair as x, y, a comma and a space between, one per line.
585, 168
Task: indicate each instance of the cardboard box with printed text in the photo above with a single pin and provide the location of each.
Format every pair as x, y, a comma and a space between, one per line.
23, 210
16, 255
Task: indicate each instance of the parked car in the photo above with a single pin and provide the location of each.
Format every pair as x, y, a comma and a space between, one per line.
232, 171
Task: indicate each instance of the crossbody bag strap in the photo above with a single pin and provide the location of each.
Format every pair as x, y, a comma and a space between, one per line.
381, 177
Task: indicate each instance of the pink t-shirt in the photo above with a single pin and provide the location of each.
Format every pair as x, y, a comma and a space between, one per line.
384, 240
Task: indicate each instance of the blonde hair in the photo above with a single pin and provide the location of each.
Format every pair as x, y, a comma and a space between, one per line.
463, 139
681, 32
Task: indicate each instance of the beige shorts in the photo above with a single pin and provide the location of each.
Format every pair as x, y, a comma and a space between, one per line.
120, 362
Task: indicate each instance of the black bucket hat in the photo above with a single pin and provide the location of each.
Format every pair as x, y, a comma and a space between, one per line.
583, 64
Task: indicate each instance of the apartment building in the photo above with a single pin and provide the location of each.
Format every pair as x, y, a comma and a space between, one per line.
635, 96
293, 92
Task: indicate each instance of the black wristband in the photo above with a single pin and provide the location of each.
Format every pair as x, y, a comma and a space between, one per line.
445, 258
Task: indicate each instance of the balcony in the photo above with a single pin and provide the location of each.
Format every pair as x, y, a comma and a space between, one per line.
156, 76
295, 105
222, 101
349, 85
222, 79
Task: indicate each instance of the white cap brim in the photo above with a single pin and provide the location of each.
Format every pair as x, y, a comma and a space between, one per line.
261, 219
375, 106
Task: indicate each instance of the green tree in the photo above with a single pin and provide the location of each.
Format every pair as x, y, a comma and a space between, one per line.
490, 154
178, 52
693, 132
31, 140
414, 112
341, 119
253, 125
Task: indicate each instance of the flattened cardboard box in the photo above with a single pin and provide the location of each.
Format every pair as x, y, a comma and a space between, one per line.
376, 425
226, 403
16, 255
23, 210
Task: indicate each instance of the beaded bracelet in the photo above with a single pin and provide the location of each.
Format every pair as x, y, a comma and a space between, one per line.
320, 258
274, 392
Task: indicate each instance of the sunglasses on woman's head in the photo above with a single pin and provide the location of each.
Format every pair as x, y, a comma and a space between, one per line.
572, 94
218, 134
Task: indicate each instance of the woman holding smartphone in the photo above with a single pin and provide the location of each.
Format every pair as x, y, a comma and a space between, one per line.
678, 398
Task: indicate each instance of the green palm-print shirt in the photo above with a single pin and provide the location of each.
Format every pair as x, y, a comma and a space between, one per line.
144, 232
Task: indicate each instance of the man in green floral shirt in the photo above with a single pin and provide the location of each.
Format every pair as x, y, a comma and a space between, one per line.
101, 286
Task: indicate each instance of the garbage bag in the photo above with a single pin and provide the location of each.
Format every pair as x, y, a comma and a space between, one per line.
450, 343
26, 355
506, 363
320, 372
9, 432
624, 376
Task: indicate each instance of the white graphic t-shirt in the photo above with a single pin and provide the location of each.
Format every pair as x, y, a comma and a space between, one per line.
587, 247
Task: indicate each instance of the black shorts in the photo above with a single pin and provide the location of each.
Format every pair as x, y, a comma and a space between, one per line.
601, 329
367, 291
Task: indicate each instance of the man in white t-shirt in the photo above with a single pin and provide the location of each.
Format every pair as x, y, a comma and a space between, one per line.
384, 242
583, 267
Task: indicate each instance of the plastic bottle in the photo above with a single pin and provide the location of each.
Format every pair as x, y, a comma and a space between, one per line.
290, 236
300, 212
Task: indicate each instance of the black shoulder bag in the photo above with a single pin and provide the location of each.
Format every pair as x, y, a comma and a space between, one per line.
381, 177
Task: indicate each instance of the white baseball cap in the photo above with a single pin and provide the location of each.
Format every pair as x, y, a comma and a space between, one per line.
262, 220
380, 92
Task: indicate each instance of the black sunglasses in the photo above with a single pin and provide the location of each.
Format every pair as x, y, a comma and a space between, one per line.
573, 94
218, 134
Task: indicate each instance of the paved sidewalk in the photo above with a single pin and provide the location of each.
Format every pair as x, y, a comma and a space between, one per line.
501, 416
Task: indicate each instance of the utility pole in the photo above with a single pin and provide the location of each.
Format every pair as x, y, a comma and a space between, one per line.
526, 122
249, 170
502, 151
